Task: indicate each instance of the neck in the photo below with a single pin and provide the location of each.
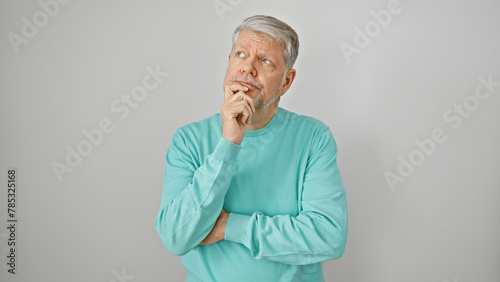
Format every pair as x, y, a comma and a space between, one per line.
262, 117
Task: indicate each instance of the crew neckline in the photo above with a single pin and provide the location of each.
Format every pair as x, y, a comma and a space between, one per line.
272, 123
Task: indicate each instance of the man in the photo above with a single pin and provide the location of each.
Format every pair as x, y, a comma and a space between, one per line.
254, 193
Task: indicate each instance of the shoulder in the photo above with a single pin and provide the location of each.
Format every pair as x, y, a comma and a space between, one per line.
198, 134
303, 122
200, 128
313, 131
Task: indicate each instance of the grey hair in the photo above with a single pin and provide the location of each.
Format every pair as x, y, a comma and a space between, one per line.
273, 29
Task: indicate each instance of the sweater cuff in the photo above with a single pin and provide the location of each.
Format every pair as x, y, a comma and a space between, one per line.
226, 151
236, 227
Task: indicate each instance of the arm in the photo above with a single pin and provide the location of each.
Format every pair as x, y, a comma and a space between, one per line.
193, 197
317, 233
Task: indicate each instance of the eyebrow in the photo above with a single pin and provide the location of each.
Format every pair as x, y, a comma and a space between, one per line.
262, 53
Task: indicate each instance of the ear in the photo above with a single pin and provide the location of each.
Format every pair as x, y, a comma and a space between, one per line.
287, 82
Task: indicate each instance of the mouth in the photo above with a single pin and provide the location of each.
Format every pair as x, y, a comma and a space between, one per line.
247, 84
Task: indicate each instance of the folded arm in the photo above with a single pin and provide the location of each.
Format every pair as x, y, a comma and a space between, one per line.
317, 233
193, 196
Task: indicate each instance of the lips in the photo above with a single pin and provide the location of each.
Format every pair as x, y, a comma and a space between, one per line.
247, 84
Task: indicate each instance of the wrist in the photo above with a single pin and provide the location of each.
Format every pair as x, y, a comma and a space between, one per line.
224, 217
233, 140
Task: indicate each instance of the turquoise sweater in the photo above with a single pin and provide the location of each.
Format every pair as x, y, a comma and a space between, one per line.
283, 191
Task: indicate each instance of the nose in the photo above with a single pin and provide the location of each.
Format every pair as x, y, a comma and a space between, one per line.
248, 67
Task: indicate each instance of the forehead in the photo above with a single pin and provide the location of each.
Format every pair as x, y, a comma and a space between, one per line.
252, 40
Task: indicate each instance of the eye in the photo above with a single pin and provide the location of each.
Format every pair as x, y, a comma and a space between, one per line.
266, 61
240, 54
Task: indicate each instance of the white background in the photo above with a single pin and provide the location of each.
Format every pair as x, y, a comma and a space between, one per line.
441, 224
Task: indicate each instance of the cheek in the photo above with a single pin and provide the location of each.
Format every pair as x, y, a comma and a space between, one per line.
274, 85
230, 72
229, 68
232, 69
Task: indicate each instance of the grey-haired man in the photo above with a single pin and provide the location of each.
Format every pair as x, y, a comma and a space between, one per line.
254, 193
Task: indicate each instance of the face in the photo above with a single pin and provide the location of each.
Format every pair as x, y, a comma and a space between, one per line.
258, 63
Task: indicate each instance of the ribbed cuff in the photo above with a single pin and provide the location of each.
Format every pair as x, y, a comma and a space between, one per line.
226, 151
236, 227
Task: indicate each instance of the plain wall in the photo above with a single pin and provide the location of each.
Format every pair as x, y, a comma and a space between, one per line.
411, 81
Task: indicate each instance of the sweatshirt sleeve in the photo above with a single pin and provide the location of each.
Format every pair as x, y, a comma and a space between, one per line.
193, 197
317, 233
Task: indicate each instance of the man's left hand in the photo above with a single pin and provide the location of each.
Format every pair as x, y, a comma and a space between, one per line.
218, 230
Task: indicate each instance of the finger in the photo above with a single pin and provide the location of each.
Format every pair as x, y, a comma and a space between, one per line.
232, 89
244, 119
236, 109
243, 96
227, 93
238, 87
239, 107
237, 97
245, 111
